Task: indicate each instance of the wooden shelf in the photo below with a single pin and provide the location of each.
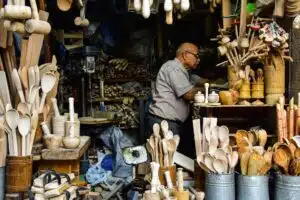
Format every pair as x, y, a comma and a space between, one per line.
234, 106
67, 154
96, 121
116, 99
122, 80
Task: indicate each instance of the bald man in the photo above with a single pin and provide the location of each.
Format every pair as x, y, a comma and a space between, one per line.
174, 89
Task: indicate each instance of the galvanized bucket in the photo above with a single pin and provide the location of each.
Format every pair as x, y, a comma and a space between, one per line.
287, 187
252, 187
219, 186
2, 182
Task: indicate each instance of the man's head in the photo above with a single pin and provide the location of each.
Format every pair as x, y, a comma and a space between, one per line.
187, 54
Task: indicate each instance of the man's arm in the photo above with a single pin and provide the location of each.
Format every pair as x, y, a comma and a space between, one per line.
198, 81
189, 96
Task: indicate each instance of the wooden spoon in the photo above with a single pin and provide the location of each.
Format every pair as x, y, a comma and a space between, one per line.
294, 168
297, 153
208, 161
165, 151
233, 161
220, 154
34, 125
244, 162
12, 119
282, 157
2, 108
220, 166
23, 108
213, 144
262, 137
47, 83
156, 135
171, 150
256, 162
164, 127
24, 127
18, 85
150, 149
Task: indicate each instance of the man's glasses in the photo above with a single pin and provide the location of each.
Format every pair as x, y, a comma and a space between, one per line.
194, 54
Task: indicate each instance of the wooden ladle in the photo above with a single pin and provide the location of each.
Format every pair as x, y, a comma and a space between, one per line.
47, 83
12, 120
24, 127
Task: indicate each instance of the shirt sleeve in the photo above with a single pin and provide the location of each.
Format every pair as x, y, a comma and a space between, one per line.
179, 83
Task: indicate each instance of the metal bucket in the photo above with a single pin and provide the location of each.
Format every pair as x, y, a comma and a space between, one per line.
2, 182
219, 186
287, 187
252, 187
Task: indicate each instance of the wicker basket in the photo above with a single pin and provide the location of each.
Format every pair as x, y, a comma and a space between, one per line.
275, 76
257, 90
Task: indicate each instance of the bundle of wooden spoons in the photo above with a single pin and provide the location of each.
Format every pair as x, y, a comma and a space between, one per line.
162, 144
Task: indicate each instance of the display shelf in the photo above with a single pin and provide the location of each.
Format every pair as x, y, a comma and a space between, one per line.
96, 121
234, 106
67, 154
116, 99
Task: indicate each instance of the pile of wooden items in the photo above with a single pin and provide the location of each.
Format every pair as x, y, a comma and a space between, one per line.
264, 41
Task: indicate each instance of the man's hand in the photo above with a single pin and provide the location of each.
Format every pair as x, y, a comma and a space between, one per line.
189, 96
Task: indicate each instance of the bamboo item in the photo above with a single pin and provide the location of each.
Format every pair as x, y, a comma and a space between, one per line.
257, 90
226, 12
275, 76
290, 119
245, 91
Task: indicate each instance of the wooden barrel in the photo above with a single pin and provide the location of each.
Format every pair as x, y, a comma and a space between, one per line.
18, 173
275, 75
257, 90
161, 174
245, 91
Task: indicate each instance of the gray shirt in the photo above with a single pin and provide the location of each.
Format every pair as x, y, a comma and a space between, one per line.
172, 82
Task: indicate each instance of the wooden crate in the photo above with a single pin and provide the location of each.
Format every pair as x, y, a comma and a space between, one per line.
62, 166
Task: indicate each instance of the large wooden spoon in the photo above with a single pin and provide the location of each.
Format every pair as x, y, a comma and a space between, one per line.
12, 120
24, 127
47, 82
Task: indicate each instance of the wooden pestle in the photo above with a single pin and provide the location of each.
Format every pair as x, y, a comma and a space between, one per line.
81, 22
17, 11
35, 25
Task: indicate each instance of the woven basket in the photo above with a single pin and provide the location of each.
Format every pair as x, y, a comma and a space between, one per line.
275, 76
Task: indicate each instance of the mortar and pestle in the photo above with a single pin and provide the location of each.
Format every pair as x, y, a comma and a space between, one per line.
35, 25
71, 141
52, 142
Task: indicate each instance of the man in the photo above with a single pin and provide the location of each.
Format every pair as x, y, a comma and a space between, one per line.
174, 89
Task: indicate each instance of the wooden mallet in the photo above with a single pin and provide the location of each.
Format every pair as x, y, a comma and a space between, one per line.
82, 21
17, 11
35, 25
